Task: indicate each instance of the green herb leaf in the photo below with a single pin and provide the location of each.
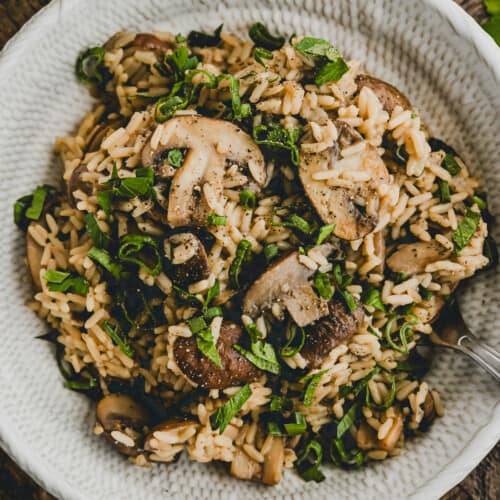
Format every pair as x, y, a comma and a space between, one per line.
103, 258
323, 286
492, 27
359, 386
317, 47
89, 66
492, 6
299, 426
240, 110
140, 249
175, 157
271, 251
212, 293
204, 339
216, 220
61, 281
444, 192
201, 39
81, 385
339, 456
309, 461
311, 381
221, 418
259, 54
466, 229
248, 199
242, 258
118, 337
213, 312
296, 337
279, 404
324, 232
331, 72
181, 61
262, 38
34, 211
98, 237
30, 207
187, 297
262, 355
451, 164
374, 299
279, 140
346, 421
349, 300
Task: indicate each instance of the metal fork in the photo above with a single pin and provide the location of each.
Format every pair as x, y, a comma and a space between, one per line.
451, 331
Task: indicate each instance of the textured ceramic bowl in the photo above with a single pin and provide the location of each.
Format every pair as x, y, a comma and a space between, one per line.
430, 49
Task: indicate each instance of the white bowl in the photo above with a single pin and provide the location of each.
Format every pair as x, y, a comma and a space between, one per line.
431, 49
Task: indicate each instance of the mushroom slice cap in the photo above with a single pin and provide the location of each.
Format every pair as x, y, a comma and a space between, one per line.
123, 420
148, 41
189, 259
287, 281
273, 462
388, 95
168, 439
212, 146
340, 205
34, 254
235, 370
334, 328
413, 258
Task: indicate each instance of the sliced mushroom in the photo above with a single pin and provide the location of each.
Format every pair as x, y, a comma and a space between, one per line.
336, 327
428, 311
212, 145
388, 95
168, 439
151, 42
189, 259
235, 370
366, 439
429, 409
34, 254
157, 160
244, 467
287, 282
76, 183
273, 462
123, 420
413, 258
353, 211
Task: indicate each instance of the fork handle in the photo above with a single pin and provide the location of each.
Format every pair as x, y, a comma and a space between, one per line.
483, 354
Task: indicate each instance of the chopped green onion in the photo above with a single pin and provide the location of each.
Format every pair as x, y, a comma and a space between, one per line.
248, 199
221, 418
405, 332
466, 229
216, 220
175, 157
311, 381
323, 286
118, 338
98, 237
242, 257
103, 258
340, 456
259, 54
132, 244
180, 38
187, 297
451, 164
213, 312
347, 420
297, 222
374, 300
279, 403
166, 107
481, 204
240, 110
81, 385
309, 461
296, 337
262, 38
444, 192
213, 292
60, 281
271, 251
297, 427
324, 232
34, 211
349, 300
201, 39
359, 386
89, 66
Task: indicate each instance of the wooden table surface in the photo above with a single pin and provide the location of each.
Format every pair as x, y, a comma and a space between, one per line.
481, 484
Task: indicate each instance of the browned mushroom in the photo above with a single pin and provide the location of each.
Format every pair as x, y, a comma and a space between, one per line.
235, 370
211, 146
189, 259
413, 258
287, 282
76, 183
168, 439
388, 95
366, 439
244, 467
354, 211
429, 409
123, 420
428, 311
34, 254
151, 42
337, 326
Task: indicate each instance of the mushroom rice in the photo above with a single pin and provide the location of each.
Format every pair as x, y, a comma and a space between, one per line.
253, 241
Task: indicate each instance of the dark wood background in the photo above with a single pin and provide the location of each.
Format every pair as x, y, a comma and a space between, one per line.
481, 484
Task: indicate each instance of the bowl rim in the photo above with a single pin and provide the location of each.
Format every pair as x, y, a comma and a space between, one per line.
451, 473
